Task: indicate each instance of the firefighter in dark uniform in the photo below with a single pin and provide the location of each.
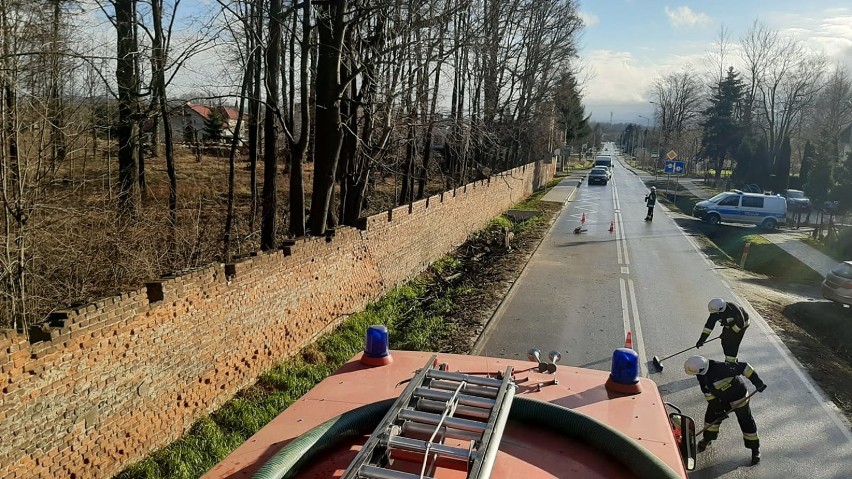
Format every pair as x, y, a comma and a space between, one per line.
725, 390
650, 201
734, 322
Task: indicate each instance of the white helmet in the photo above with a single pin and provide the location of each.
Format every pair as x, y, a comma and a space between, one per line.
695, 365
653, 188
716, 305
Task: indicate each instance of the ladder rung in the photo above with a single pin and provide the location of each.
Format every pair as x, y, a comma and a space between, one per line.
465, 399
467, 388
416, 445
439, 406
435, 419
459, 377
372, 472
409, 428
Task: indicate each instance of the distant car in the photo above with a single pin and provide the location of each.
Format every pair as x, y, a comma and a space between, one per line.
796, 200
599, 174
838, 283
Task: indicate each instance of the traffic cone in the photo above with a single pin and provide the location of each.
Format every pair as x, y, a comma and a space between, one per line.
611, 226
629, 342
583, 218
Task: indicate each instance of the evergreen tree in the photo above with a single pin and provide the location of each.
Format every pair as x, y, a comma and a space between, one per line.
820, 180
722, 130
782, 165
214, 126
843, 189
759, 170
629, 137
570, 112
807, 162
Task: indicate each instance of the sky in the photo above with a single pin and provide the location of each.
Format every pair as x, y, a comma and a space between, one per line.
626, 44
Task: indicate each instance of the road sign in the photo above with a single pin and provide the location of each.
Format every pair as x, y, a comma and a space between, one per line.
675, 167
671, 155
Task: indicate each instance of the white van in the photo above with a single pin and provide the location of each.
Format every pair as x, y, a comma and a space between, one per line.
765, 210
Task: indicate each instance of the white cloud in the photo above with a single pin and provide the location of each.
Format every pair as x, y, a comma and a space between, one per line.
683, 17
621, 82
589, 19
831, 35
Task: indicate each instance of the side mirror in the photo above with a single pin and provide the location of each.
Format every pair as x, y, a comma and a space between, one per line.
683, 429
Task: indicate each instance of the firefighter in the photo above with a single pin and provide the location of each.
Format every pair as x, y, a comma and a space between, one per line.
650, 201
725, 390
734, 322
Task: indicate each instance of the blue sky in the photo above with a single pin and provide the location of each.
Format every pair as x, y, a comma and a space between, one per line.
628, 43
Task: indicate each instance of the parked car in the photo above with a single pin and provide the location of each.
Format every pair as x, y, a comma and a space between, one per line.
837, 285
599, 174
796, 200
765, 210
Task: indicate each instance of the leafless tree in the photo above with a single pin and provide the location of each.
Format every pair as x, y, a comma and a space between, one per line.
831, 110
677, 98
783, 78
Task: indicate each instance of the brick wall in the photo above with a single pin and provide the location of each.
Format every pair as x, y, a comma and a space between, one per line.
104, 385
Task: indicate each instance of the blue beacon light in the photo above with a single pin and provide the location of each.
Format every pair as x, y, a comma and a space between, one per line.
624, 374
376, 348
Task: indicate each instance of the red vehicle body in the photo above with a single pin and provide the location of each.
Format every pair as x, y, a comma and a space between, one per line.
530, 448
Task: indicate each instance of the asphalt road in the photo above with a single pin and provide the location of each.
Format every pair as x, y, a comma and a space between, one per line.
581, 293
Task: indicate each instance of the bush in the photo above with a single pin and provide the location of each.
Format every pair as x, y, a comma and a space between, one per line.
843, 245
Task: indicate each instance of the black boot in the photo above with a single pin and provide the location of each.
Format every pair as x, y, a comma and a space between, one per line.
755, 456
702, 445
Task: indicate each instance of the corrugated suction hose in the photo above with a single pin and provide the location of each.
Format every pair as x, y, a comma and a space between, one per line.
305, 448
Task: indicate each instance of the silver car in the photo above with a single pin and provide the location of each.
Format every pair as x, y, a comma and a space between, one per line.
838, 283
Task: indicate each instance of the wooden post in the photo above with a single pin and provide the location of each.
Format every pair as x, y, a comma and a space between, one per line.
745, 255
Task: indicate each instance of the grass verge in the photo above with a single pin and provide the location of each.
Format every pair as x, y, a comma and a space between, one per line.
764, 257
419, 316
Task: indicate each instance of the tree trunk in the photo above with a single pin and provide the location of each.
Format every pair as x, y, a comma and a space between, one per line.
127, 85
270, 132
232, 159
159, 74
331, 27
298, 148
57, 135
255, 22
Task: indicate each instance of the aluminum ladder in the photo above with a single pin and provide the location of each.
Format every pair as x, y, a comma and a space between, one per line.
427, 412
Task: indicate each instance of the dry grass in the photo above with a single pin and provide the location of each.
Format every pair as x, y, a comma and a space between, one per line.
80, 251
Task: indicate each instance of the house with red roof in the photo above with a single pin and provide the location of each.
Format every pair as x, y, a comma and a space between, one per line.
188, 120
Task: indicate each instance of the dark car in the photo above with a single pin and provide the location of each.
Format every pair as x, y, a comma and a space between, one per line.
599, 175
796, 200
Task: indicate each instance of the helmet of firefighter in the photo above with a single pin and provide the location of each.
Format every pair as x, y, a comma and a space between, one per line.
695, 365
716, 305
653, 188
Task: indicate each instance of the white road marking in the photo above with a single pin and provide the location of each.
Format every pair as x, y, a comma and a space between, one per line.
623, 239
639, 345
625, 312
625, 270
